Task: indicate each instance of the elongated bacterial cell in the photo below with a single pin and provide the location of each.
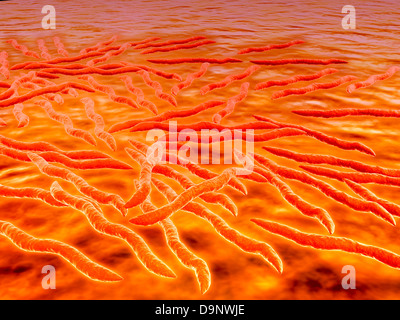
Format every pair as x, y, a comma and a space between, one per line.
192, 109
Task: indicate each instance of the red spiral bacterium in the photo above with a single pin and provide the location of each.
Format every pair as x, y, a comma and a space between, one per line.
50, 96
104, 69
170, 114
178, 47
22, 118
198, 126
146, 41
23, 49
104, 72
332, 160
71, 91
16, 85
30, 193
192, 167
343, 144
233, 236
99, 45
52, 156
5, 66
79, 183
313, 87
99, 124
298, 61
45, 75
75, 155
160, 73
91, 70
184, 255
144, 189
60, 47
139, 95
109, 91
4, 85
75, 66
44, 52
373, 79
83, 264
229, 79
53, 89
41, 146
40, 81
98, 221
231, 103
5, 72
24, 78
296, 201
359, 177
107, 48
121, 48
169, 42
157, 88
66, 122
110, 54
327, 189
184, 198
294, 79
59, 60
210, 197
337, 113
271, 47
242, 135
391, 207
330, 242
189, 79
195, 60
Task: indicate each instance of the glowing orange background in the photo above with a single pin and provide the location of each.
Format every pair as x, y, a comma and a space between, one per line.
308, 273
